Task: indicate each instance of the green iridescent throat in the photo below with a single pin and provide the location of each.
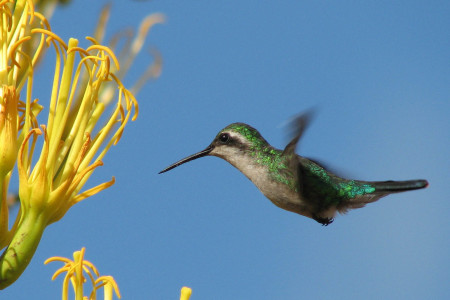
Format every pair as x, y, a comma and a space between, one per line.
266, 155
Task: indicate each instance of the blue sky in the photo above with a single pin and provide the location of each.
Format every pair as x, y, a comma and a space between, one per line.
378, 74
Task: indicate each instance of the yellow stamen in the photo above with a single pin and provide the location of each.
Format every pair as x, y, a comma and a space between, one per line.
75, 271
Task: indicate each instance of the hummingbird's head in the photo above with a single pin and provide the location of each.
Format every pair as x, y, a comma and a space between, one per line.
230, 144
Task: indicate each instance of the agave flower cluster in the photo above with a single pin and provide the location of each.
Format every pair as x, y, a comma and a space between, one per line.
75, 274
55, 158
78, 270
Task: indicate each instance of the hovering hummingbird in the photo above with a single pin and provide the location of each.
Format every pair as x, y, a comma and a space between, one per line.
293, 182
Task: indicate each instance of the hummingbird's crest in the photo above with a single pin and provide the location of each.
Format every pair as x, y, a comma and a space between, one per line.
250, 135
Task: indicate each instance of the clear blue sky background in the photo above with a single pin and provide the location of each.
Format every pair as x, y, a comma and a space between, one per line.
379, 74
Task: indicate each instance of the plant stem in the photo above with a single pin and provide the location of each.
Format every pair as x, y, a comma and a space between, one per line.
23, 245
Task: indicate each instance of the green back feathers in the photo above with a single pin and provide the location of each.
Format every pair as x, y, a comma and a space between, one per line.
320, 184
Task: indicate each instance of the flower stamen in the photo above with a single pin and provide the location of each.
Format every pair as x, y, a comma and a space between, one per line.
75, 274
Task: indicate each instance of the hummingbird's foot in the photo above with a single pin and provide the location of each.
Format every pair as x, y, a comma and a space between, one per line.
323, 221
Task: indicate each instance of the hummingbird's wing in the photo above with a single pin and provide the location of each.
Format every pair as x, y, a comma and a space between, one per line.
331, 169
298, 125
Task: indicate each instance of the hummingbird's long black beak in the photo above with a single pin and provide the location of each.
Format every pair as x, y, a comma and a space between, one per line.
189, 158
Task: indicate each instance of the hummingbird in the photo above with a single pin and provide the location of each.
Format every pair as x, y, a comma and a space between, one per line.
293, 182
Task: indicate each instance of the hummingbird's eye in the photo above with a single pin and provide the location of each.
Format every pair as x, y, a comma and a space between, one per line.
224, 137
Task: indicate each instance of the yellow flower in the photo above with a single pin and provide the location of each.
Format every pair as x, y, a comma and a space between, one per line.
75, 270
185, 293
86, 81
69, 153
75, 274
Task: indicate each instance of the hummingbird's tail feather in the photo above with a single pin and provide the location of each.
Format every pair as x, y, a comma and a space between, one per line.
399, 186
381, 189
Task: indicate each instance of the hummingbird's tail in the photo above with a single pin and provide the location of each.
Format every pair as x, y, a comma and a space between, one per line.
381, 189
399, 186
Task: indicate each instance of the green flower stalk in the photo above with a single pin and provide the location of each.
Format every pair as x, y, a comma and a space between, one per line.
71, 145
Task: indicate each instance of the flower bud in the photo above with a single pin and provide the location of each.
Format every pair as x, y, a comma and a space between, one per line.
8, 129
